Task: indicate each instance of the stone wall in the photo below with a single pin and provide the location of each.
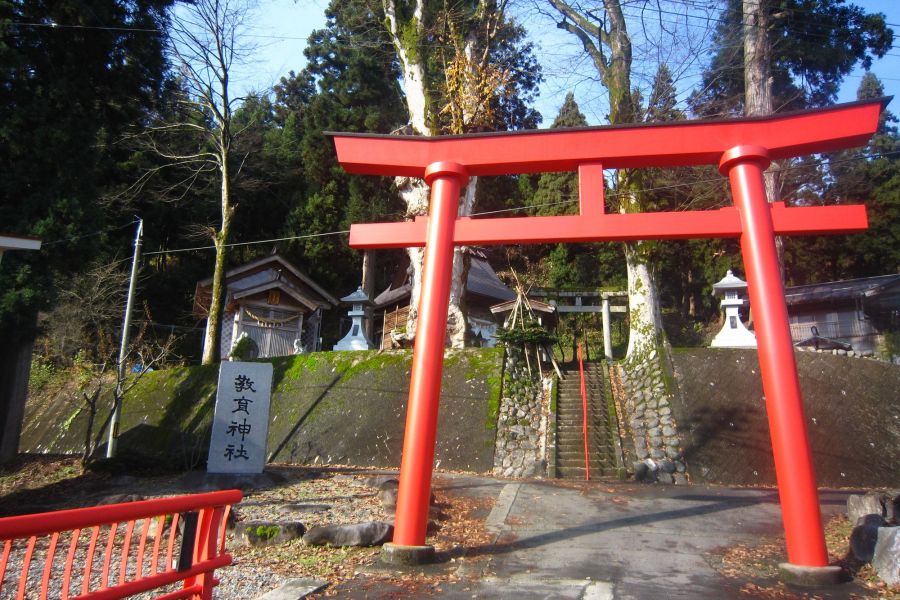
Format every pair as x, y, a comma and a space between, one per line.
851, 407
657, 443
327, 407
522, 424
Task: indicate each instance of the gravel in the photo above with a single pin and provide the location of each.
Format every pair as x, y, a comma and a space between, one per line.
285, 493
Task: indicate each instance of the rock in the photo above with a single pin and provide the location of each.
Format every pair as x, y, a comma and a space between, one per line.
667, 466
665, 478
886, 557
657, 454
640, 470
870, 503
299, 507
864, 537
294, 589
891, 503
373, 533
376, 481
680, 478
388, 498
669, 431
264, 533
119, 499
642, 453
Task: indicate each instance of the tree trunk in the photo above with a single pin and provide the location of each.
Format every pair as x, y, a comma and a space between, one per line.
457, 322
758, 87
414, 193
213, 341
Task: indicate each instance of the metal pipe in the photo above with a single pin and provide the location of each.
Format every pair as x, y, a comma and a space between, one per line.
584, 417
113, 438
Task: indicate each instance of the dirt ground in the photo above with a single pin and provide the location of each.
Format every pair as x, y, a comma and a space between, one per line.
40, 483
34, 484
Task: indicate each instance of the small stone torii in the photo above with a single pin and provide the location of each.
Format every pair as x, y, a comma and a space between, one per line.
742, 149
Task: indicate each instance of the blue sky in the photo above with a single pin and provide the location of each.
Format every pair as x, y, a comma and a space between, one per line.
280, 29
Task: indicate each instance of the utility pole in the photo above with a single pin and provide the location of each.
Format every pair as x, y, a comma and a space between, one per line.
123, 348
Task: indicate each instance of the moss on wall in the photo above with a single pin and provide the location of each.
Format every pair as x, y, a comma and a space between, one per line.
334, 407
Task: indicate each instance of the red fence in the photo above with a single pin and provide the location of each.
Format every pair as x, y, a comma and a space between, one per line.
108, 546
584, 417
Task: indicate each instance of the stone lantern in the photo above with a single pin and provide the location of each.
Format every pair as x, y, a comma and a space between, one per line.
356, 338
733, 334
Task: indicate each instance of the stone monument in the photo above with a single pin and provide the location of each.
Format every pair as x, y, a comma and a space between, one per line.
241, 421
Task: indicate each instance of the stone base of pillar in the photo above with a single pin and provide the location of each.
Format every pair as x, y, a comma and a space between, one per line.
810, 576
406, 556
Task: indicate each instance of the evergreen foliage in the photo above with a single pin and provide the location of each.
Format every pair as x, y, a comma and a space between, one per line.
66, 96
815, 44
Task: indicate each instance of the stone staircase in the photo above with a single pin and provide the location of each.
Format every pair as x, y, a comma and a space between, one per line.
602, 447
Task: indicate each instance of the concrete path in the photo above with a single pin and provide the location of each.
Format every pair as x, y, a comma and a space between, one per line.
613, 541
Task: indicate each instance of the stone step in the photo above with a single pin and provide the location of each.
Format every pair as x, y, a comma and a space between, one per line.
579, 455
594, 412
577, 409
579, 462
578, 473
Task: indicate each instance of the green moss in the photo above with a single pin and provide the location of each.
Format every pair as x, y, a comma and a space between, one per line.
554, 391
409, 39
267, 532
68, 422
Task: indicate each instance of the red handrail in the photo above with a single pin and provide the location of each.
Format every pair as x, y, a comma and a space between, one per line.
200, 554
584, 417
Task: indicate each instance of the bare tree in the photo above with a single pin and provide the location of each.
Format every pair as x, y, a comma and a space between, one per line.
205, 45
146, 352
628, 44
84, 318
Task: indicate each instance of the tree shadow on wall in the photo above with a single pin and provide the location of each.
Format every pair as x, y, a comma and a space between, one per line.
729, 444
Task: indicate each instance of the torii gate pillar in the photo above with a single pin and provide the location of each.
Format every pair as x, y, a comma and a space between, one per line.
446, 180
744, 166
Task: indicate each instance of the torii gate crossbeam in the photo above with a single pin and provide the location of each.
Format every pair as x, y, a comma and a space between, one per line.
742, 148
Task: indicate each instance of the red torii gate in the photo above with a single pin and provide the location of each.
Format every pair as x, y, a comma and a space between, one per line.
742, 148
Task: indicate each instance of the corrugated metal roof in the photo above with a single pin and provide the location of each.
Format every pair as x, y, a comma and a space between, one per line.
832, 291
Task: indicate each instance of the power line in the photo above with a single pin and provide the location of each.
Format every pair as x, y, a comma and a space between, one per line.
293, 237
92, 234
535, 206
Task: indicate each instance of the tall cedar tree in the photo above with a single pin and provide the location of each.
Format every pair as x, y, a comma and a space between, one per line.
815, 45
351, 84
74, 75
